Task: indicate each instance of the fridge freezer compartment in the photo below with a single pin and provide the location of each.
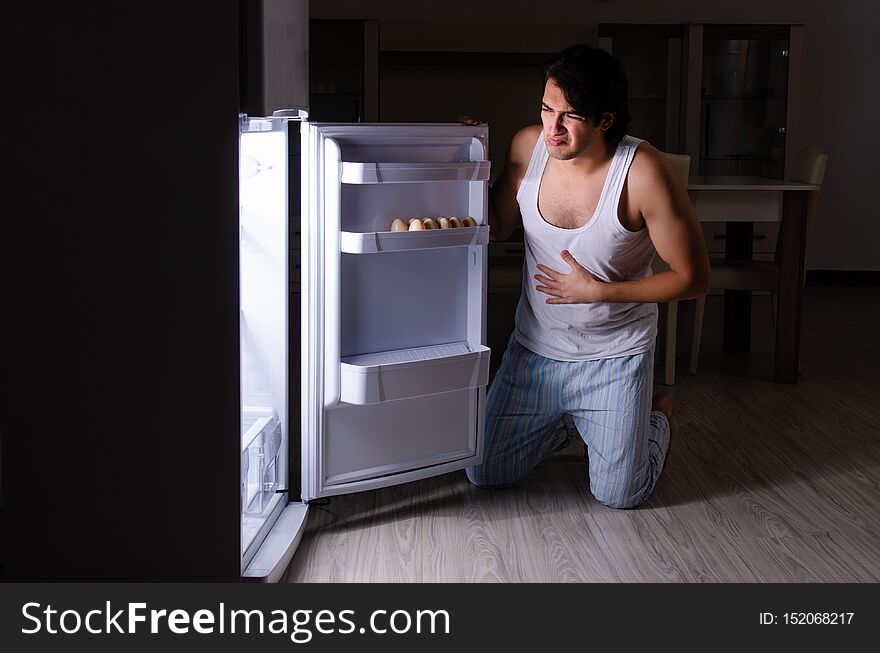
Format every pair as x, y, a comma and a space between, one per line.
405, 373
261, 444
397, 241
378, 173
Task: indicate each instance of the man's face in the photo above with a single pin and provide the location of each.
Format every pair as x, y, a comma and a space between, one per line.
568, 134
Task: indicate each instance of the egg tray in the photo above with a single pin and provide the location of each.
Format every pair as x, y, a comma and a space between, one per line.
352, 242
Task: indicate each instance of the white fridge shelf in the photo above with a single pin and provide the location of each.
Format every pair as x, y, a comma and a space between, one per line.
404, 373
396, 241
379, 173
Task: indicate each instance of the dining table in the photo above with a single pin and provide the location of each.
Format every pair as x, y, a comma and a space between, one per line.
740, 202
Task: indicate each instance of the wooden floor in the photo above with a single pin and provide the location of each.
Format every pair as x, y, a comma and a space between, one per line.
765, 482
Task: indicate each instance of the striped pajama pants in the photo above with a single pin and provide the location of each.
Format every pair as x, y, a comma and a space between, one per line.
536, 404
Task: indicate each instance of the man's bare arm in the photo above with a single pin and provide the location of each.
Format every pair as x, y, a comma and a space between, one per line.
675, 231
504, 215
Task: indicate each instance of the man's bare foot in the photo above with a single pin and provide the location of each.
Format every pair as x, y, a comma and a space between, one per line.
664, 401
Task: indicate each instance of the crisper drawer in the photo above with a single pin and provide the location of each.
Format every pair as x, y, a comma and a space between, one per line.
405, 373
387, 441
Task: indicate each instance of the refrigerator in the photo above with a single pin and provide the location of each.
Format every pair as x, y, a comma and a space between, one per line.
393, 360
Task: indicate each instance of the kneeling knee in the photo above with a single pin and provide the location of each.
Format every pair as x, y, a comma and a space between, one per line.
618, 501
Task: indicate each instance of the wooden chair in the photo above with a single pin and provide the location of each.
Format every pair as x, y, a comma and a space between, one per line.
809, 167
681, 163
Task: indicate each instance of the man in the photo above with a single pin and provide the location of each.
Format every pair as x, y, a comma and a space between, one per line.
595, 204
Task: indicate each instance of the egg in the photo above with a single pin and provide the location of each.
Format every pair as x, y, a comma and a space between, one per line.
469, 222
399, 224
429, 223
454, 222
443, 223
416, 225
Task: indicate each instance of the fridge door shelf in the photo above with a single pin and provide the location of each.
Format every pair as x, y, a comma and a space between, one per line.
396, 241
379, 173
243, 484
406, 373
260, 445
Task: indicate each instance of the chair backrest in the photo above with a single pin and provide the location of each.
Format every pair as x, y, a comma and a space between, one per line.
808, 167
681, 163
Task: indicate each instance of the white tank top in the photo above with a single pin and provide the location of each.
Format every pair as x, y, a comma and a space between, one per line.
578, 332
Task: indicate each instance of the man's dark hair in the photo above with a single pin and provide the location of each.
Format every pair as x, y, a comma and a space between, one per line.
594, 82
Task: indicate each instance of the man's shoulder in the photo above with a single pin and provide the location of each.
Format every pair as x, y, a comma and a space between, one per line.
647, 156
529, 132
523, 143
648, 168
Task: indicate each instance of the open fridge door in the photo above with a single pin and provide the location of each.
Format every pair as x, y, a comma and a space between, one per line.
270, 526
394, 357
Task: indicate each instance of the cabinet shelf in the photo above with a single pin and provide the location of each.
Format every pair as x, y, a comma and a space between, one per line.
378, 173
406, 373
734, 98
734, 158
339, 95
397, 241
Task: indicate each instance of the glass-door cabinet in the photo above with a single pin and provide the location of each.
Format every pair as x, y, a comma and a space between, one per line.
741, 110
743, 101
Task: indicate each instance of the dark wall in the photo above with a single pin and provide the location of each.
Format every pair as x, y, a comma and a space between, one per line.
120, 373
